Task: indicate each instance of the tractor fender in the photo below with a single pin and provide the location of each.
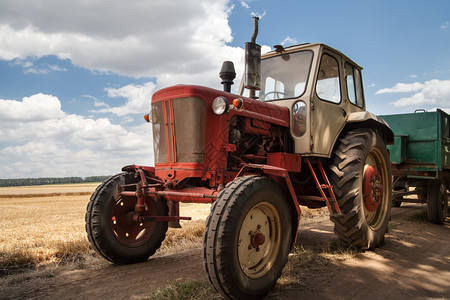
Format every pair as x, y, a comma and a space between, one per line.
135, 168
370, 120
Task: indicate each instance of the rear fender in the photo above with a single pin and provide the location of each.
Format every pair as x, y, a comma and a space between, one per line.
369, 120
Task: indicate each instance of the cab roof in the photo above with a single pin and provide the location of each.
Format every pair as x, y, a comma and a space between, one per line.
305, 46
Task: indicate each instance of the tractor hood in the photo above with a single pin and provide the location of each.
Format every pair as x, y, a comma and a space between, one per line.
251, 108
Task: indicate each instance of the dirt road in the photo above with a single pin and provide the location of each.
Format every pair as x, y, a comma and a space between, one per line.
414, 262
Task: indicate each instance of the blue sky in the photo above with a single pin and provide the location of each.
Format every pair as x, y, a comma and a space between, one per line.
76, 77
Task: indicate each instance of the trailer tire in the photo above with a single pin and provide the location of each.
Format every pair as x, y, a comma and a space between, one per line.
361, 164
108, 225
398, 187
397, 202
437, 202
422, 194
251, 213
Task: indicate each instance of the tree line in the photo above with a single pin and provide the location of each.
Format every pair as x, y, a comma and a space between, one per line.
50, 180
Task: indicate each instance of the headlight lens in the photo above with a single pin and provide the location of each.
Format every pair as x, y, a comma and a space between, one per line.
220, 105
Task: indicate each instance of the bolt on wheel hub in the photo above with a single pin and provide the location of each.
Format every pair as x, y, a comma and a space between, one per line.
258, 239
372, 188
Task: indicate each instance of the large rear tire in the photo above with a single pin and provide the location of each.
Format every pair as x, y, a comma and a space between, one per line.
247, 238
362, 182
437, 202
110, 227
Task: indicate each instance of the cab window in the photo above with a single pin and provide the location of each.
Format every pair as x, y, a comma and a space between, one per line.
354, 85
327, 86
359, 88
350, 80
284, 76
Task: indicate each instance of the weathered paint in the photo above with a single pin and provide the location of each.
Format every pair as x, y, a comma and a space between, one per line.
422, 141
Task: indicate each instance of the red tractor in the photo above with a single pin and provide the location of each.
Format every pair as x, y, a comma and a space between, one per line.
297, 133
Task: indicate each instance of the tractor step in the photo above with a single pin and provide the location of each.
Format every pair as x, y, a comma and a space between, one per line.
334, 209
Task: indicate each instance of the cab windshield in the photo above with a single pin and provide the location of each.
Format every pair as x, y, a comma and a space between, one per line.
284, 76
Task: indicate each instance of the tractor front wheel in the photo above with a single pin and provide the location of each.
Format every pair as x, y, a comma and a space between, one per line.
362, 182
247, 238
111, 226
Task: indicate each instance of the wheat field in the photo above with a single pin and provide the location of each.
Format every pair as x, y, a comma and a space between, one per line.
43, 224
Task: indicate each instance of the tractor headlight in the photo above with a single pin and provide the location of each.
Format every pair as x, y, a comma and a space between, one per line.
220, 105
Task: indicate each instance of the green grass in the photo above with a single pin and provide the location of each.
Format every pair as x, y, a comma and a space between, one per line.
187, 290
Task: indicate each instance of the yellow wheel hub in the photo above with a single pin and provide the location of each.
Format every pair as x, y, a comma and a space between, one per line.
259, 240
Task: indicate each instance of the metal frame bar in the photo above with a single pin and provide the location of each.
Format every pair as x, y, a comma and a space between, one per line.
321, 188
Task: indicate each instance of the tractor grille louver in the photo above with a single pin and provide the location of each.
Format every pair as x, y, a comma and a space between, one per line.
178, 130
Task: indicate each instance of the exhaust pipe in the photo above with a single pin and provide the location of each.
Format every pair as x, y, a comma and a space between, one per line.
252, 78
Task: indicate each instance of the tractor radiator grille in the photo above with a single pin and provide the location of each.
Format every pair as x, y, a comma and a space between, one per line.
178, 130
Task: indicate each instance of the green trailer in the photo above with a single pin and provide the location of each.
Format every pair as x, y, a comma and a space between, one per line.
420, 158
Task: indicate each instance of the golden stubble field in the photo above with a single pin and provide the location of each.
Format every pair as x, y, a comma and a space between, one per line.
44, 224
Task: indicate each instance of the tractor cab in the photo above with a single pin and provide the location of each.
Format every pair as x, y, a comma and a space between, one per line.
320, 86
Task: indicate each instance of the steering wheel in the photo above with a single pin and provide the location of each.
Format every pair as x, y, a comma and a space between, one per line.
277, 93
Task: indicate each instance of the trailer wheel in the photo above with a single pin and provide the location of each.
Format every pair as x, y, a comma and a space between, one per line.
397, 202
437, 202
247, 238
110, 228
422, 194
361, 179
398, 186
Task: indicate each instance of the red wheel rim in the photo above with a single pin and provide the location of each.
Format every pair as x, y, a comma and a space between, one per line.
372, 188
125, 230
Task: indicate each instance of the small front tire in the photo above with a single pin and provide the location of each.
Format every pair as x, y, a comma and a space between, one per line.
110, 228
247, 238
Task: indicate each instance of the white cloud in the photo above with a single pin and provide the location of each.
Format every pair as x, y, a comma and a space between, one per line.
97, 103
434, 92
445, 25
34, 108
259, 15
289, 40
245, 4
29, 67
45, 141
171, 42
402, 88
138, 99
138, 38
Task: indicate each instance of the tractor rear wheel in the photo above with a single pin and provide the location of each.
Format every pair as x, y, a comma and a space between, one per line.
110, 226
437, 202
362, 181
247, 238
